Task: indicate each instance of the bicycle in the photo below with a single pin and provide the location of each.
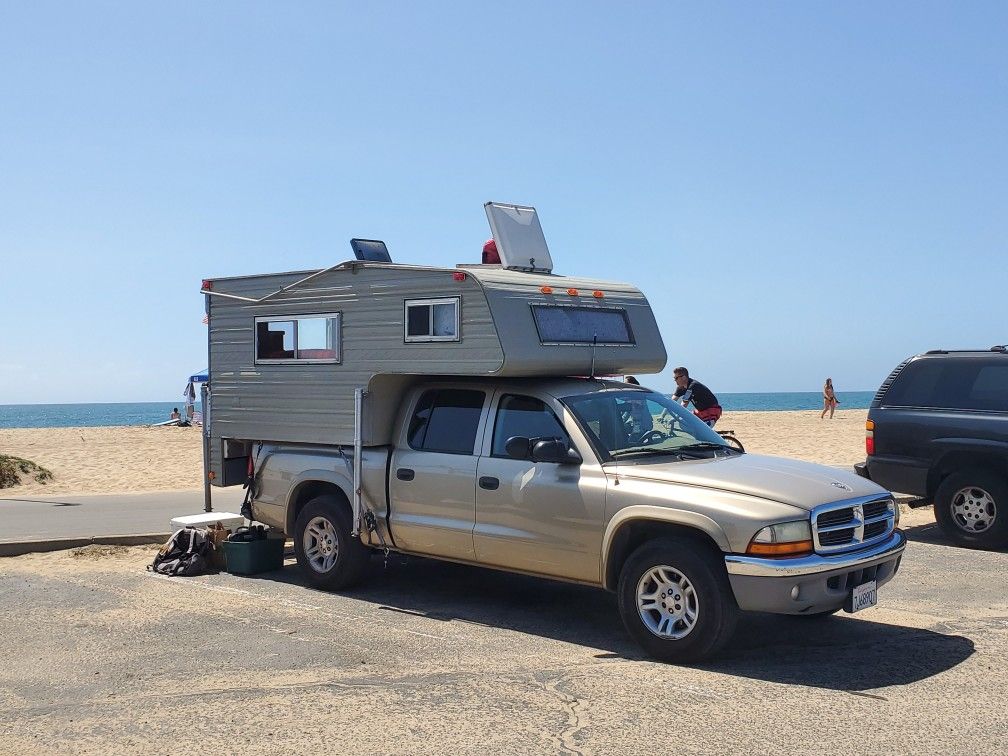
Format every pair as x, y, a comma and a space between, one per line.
667, 421
730, 439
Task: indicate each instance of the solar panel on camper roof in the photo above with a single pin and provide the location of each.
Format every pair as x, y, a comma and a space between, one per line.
372, 250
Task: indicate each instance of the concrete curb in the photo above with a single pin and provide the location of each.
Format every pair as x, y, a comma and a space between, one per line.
19, 548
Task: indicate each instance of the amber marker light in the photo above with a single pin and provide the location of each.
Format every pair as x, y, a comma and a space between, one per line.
598, 294
572, 292
546, 289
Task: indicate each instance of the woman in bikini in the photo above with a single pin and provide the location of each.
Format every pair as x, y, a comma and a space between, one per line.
829, 399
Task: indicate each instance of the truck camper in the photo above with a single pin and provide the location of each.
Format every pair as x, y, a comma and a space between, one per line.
457, 413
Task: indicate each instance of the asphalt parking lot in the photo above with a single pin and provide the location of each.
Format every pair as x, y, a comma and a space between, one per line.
101, 656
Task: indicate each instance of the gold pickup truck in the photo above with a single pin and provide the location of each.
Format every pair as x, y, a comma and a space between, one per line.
595, 482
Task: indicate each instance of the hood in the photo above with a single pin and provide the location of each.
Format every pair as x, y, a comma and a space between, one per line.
789, 481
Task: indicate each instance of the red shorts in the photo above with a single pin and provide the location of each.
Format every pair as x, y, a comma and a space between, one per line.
709, 415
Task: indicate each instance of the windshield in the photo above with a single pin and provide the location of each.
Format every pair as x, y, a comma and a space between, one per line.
639, 423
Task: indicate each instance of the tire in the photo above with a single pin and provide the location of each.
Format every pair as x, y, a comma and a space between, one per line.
972, 508
668, 634
733, 442
328, 555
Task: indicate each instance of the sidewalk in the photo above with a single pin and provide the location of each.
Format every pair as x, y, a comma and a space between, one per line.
51, 520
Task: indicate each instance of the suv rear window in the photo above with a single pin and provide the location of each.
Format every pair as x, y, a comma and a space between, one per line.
951, 384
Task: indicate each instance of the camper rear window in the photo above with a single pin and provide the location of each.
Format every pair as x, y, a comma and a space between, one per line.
560, 324
298, 338
432, 319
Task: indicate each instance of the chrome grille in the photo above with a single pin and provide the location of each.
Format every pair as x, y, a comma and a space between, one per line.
852, 523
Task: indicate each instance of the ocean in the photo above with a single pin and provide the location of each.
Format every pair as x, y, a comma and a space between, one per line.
146, 413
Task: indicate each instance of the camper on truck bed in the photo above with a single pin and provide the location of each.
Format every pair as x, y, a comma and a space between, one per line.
438, 412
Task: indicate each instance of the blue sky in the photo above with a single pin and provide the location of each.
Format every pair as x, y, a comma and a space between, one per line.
801, 189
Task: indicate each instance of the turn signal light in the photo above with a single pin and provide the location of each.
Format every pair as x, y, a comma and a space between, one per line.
869, 438
572, 292
546, 289
793, 548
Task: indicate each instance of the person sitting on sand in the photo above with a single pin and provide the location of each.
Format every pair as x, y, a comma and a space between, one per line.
705, 404
829, 399
175, 414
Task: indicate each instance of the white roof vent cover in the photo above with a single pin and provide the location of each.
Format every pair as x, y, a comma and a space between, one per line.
519, 237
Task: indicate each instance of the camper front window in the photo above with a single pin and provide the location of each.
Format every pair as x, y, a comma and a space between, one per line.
298, 338
432, 319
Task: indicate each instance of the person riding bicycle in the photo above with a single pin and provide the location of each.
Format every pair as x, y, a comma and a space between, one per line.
705, 404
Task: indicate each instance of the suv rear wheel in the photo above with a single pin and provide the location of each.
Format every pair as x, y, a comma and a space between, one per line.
675, 600
972, 508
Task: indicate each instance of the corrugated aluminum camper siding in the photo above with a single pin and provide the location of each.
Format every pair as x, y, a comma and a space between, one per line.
314, 403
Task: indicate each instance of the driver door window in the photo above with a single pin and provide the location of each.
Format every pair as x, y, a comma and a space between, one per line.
524, 416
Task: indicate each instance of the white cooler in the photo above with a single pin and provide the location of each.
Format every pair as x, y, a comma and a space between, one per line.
206, 519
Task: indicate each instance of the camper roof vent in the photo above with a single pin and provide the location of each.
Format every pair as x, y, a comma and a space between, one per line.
519, 237
370, 250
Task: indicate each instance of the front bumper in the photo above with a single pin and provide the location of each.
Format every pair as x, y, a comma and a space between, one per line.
822, 582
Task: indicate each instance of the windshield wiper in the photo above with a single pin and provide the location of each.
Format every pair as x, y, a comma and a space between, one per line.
705, 445
641, 450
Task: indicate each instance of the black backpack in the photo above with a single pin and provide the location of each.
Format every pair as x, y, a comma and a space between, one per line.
187, 552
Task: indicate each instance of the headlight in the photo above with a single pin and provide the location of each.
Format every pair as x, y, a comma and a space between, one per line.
783, 539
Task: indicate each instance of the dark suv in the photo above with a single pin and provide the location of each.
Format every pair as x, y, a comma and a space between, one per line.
938, 429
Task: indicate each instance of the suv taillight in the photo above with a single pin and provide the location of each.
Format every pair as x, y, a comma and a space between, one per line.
869, 438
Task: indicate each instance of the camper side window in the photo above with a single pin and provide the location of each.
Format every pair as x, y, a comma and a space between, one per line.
298, 338
446, 420
432, 319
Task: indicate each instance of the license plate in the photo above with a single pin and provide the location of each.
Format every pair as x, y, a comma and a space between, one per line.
862, 597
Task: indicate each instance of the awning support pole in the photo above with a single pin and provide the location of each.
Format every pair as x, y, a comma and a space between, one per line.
207, 506
357, 450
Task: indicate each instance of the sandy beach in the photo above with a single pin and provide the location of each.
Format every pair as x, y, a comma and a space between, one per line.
133, 459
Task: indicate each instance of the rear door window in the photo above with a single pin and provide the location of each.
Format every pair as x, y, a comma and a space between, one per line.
990, 389
446, 420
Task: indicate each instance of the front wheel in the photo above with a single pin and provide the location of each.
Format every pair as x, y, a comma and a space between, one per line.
326, 552
675, 600
972, 508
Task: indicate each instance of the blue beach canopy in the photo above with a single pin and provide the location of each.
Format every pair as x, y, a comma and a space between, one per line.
201, 377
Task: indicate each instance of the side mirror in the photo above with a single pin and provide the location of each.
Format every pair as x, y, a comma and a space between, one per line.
555, 450
518, 447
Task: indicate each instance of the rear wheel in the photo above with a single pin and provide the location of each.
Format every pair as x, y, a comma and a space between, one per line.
972, 508
675, 600
329, 556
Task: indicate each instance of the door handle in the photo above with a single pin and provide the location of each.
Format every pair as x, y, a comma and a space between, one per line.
490, 484
404, 473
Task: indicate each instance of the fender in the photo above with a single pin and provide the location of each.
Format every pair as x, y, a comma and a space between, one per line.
661, 514
341, 480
